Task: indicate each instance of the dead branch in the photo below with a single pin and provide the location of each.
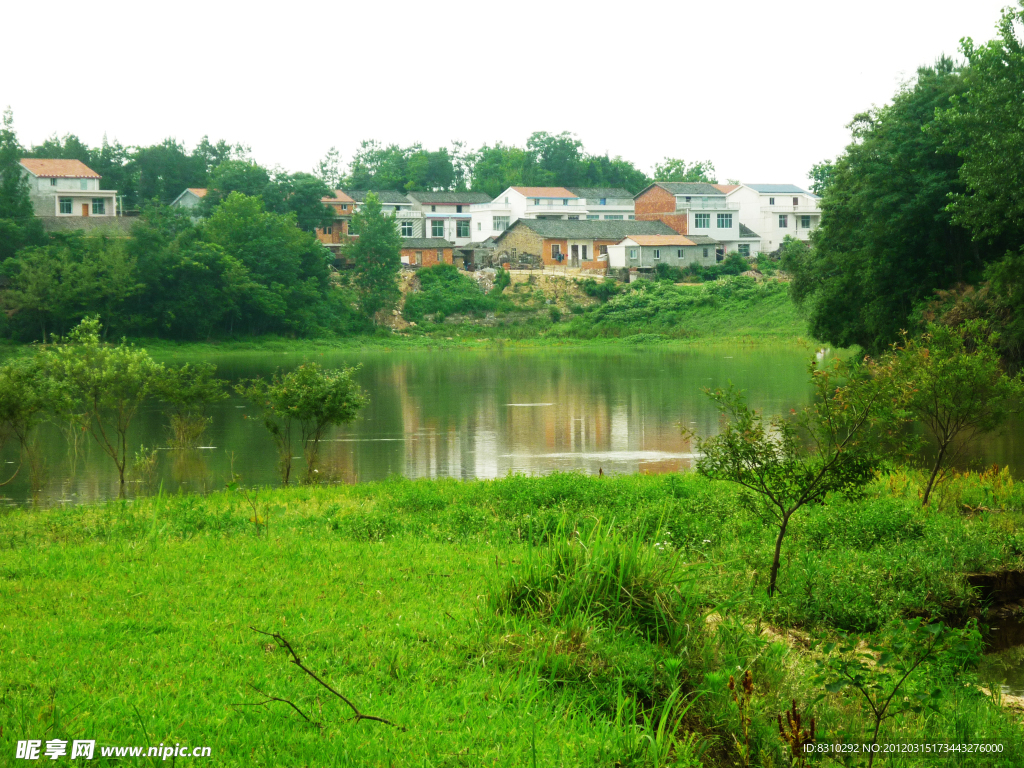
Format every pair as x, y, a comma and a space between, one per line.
297, 661
277, 698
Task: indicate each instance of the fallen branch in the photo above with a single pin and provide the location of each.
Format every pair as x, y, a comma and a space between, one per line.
277, 698
283, 643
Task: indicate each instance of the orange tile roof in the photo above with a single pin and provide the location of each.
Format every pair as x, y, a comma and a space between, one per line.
339, 197
67, 169
544, 191
660, 240
727, 188
197, 191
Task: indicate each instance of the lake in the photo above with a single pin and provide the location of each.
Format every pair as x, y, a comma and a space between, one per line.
463, 413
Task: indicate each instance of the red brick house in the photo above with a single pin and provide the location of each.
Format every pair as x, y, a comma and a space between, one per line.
426, 251
568, 242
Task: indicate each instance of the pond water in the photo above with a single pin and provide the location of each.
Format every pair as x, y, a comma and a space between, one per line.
462, 414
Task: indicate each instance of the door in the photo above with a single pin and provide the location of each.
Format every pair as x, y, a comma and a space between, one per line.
85, 209
575, 251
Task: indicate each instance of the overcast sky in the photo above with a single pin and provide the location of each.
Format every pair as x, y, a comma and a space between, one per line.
763, 89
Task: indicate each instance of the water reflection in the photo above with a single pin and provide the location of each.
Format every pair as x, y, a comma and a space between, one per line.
462, 414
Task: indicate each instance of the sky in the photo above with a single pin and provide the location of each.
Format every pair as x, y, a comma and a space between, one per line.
762, 89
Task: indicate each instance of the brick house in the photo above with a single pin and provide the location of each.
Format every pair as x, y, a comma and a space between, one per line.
697, 208
568, 242
67, 189
426, 251
334, 234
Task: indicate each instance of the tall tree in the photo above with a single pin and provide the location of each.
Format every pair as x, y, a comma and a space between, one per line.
886, 240
376, 256
677, 169
328, 170
18, 225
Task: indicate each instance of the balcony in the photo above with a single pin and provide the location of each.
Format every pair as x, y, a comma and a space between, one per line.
555, 207
803, 208
711, 204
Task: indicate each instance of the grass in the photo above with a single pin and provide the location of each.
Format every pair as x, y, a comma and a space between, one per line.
560, 620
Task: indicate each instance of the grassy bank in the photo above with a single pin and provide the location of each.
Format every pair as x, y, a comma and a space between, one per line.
563, 620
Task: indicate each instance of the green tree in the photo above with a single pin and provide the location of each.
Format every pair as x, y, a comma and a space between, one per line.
18, 225
677, 169
328, 170
376, 256
375, 166
230, 176
769, 457
190, 390
495, 169
821, 176
107, 383
983, 126
301, 194
24, 398
313, 397
952, 381
558, 160
886, 240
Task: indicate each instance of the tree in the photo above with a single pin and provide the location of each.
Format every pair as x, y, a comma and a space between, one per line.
982, 126
19, 226
24, 397
558, 160
768, 456
677, 169
105, 382
376, 256
951, 380
886, 240
301, 194
377, 167
315, 398
821, 175
495, 169
190, 390
328, 170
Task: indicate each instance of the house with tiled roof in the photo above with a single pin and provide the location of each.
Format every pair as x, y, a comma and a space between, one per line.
334, 234
606, 203
67, 190
775, 211
426, 251
493, 218
190, 200
698, 208
574, 243
445, 214
648, 251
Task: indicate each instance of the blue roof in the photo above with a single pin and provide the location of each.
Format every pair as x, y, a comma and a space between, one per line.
779, 189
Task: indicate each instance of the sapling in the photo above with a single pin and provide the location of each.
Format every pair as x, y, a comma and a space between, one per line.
190, 391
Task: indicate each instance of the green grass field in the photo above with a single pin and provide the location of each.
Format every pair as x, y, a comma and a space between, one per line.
555, 621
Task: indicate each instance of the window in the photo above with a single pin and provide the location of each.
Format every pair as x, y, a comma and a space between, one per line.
583, 253
604, 201
437, 228
98, 206
805, 222
462, 229
556, 252
632, 253
679, 253
657, 253
440, 255
609, 217
702, 221
479, 226
328, 230
406, 229
513, 253
783, 221
506, 201
631, 217
592, 217
499, 223
565, 201
433, 209
536, 200
458, 209
725, 221
705, 253
344, 206
796, 201
573, 218
53, 182
84, 184
687, 199
65, 205
602, 252
744, 249
771, 201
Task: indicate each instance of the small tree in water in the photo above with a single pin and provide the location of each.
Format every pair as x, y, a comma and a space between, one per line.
952, 381
105, 382
314, 397
770, 458
24, 397
190, 391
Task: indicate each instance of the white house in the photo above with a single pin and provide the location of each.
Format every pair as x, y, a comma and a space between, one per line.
446, 214
493, 218
774, 211
697, 208
651, 250
190, 200
67, 189
605, 203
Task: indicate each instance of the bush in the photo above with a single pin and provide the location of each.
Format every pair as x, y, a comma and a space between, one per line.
445, 291
601, 291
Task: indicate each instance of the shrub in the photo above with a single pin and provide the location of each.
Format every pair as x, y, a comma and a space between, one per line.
445, 291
